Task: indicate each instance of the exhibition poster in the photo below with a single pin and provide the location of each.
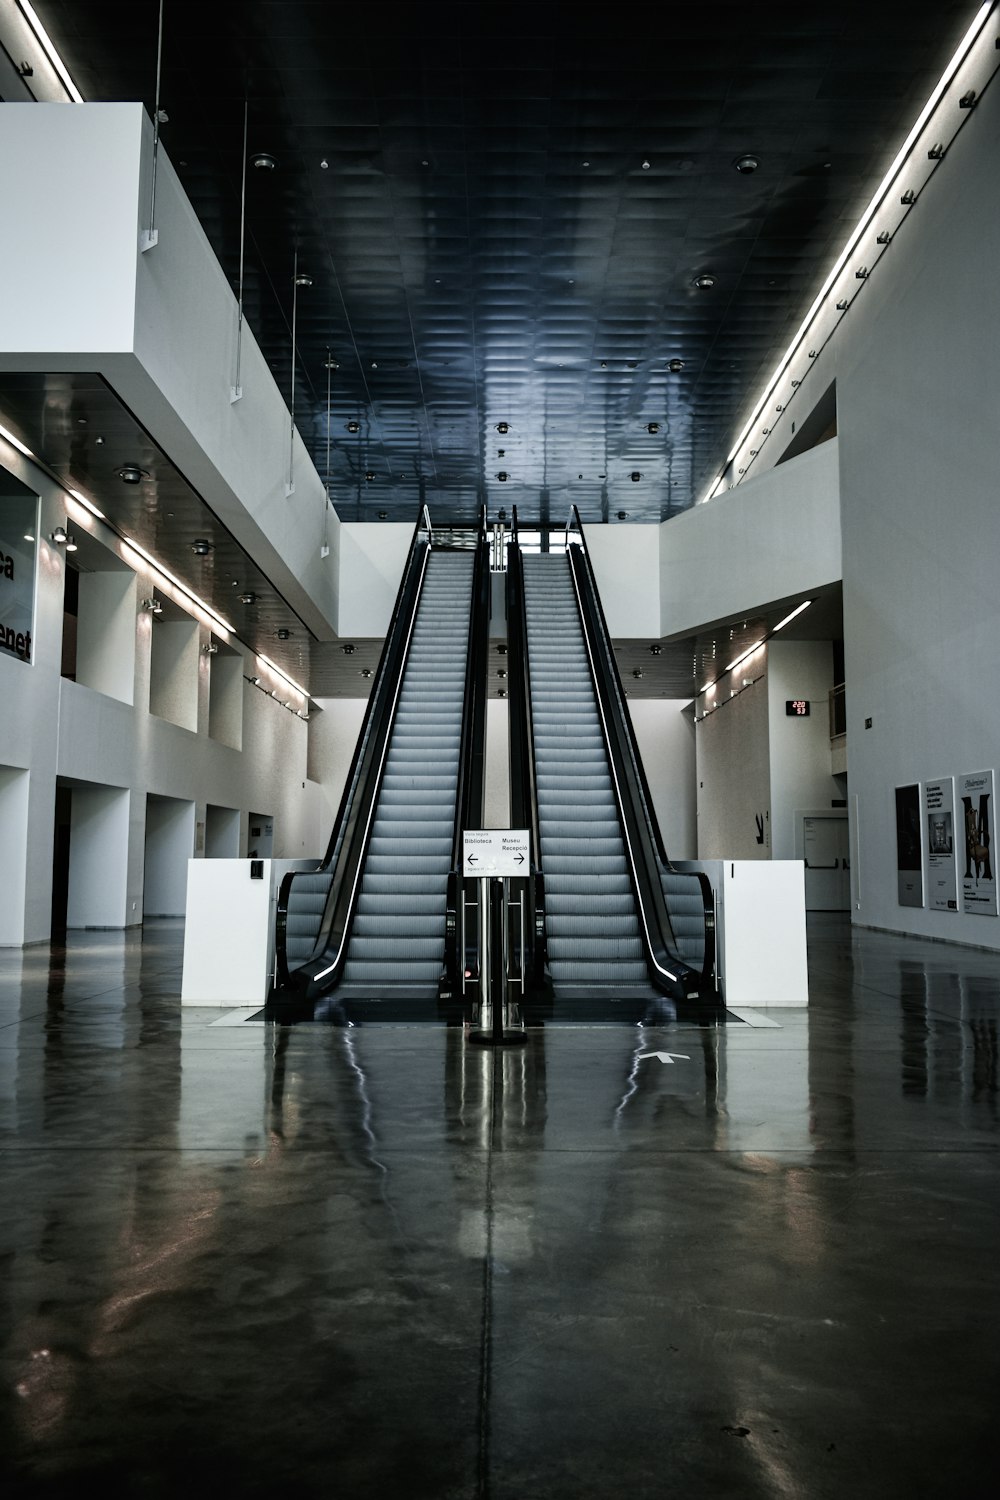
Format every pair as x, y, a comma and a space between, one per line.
977, 833
939, 822
909, 846
17, 574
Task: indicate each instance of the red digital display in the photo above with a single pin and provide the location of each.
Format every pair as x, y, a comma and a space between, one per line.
797, 708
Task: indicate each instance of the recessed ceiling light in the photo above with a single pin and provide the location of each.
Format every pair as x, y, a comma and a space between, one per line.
623, 515
324, 164
675, 366
645, 166
652, 427
703, 282
263, 161
331, 363
655, 649
502, 476
248, 598
383, 515
303, 279
637, 672
366, 671
353, 426
746, 163
201, 547
369, 475
132, 474
503, 427
635, 476
283, 634
348, 650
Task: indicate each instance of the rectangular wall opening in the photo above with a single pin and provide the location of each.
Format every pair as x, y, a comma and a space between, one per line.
169, 845
90, 856
222, 832
173, 666
99, 608
13, 853
260, 836
225, 697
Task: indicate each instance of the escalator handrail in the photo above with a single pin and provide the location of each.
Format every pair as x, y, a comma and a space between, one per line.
523, 787
471, 790
360, 796
654, 919
574, 522
523, 782
470, 795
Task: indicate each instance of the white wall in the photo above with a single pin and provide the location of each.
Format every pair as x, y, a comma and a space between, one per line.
626, 563
733, 771
333, 735
799, 748
105, 640
770, 539
370, 567
13, 852
664, 729
98, 857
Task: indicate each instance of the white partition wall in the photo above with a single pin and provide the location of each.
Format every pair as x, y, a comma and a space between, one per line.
98, 857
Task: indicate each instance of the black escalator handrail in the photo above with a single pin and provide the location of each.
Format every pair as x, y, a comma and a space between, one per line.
654, 919
523, 783
470, 793
575, 524
357, 809
471, 789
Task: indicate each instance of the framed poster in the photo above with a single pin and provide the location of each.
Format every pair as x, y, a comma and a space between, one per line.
909, 870
977, 813
939, 828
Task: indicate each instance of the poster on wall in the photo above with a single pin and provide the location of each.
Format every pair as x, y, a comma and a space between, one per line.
909, 872
939, 823
977, 835
17, 574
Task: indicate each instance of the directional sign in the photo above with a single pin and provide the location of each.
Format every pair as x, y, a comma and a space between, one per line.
496, 851
666, 1057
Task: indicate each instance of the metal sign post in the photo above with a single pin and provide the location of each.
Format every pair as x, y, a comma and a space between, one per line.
492, 856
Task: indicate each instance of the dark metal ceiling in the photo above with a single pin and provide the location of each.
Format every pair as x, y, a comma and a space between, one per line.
503, 210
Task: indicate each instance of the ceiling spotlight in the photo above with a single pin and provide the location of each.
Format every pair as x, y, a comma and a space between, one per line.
635, 476
645, 166
201, 547
331, 363
636, 672
132, 474
248, 598
652, 427
366, 671
369, 475
703, 282
502, 476
324, 164
348, 650
383, 515
747, 163
655, 649
675, 366
99, 441
263, 161
501, 649
503, 427
502, 672
302, 279
353, 426
283, 634
623, 515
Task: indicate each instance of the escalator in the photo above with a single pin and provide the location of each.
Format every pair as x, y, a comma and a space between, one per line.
372, 923
612, 919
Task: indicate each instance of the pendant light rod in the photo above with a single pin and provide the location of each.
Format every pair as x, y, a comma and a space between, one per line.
236, 391
150, 237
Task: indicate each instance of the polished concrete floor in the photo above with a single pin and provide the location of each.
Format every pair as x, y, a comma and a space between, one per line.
378, 1261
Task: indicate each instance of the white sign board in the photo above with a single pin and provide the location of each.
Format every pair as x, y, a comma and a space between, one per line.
496, 851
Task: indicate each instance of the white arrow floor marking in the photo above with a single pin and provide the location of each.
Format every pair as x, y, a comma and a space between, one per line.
666, 1057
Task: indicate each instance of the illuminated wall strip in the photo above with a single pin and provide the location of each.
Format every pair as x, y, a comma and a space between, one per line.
789, 618
281, 673
87, 504
16, 443
206, 609
45, 42
889, 181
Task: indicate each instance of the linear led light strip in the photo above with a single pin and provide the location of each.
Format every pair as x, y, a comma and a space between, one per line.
45, 42
282, 674
757, 645
883, 190
182, 588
